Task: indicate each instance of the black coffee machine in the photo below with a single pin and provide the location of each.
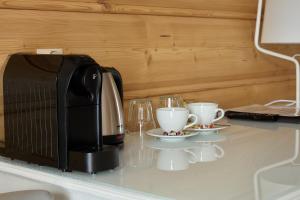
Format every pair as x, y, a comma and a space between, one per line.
59, 109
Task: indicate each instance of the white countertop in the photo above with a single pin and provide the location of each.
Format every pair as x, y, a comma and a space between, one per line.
247, 168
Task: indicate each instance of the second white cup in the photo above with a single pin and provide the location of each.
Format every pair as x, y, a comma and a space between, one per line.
174, 119
206, 112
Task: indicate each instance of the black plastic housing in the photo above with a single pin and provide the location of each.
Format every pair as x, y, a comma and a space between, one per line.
52, 112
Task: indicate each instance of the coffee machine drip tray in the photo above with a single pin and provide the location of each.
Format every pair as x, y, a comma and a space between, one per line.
94, 161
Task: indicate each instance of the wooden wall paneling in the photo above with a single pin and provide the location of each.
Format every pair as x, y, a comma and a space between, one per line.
151, 52
202, 50
245, 6
192, 8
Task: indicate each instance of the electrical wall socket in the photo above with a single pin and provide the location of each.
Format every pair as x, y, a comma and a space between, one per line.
49, 51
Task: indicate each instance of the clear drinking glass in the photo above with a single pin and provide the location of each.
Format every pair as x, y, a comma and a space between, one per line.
171, 101
140, 116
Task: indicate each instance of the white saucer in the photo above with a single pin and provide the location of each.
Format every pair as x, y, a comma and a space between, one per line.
216, 128
159, 133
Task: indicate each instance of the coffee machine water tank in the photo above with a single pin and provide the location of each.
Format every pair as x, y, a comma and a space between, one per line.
113, 121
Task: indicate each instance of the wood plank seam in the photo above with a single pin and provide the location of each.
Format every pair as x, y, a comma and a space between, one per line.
191, 89
104, 7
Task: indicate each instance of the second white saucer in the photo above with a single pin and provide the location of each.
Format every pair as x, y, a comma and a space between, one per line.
215, 128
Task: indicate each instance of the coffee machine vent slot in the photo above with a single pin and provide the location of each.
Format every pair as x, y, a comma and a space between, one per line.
31, 118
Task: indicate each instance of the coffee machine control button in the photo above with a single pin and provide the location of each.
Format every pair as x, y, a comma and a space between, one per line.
85, 86
91, 79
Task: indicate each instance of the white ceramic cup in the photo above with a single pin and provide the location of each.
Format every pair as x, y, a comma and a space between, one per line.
208, 152
174, 119
206, 112
175, 160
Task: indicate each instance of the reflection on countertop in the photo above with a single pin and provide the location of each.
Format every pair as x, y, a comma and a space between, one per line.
175, 156
280, 180
201, 171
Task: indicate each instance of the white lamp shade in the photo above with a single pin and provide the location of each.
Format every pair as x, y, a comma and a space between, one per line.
281, 22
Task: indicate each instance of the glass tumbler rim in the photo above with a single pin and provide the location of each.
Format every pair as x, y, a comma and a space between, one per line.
140, 100
170, 96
